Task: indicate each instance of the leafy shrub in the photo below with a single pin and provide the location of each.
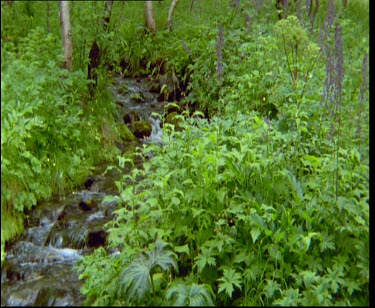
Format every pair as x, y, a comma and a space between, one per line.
257, 228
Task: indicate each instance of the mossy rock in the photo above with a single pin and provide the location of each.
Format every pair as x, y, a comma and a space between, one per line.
125, 133
141, 129
130, 117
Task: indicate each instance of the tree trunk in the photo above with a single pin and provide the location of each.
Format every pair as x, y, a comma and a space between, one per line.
92, 67
149, 13
107, 14
170, 12
66, 29
191, 5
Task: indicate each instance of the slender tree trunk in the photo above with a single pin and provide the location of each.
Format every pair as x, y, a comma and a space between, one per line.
66, 29
170, 12
107, 14
191, 4
48, 27
92, 67
149, 14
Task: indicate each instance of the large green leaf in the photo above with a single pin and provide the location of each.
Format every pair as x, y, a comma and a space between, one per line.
136, 278
229, 280
190, 295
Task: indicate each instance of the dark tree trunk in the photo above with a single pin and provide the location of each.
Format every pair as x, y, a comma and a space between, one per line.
92, 73
94, 56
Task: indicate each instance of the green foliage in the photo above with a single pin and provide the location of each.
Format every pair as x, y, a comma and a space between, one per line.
254, 227
137, 280
251, 201
229, 280
49, 142
301, 55
190, 295
267, 203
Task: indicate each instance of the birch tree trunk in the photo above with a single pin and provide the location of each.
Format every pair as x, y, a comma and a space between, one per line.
66, 29
170, 12
149, 14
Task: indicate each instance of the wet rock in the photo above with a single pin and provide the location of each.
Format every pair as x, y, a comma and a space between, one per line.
79, 235
154, 87
141, 129
46, 213
167, 88
123, 90
138, 98
84, 206
88, 205
38, 234
41, 292
95, 187
130, 117
53, 297
23, 297
97, 238
88, 183
120, 104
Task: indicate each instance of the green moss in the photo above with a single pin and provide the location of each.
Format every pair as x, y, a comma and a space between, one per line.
141, 129
125, 133
11, 226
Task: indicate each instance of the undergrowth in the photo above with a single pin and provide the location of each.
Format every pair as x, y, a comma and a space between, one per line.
245, 226
267, 202
264, 203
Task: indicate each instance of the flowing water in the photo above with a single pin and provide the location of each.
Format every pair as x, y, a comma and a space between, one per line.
37, 270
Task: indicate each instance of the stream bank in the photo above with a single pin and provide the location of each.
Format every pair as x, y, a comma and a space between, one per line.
37, 270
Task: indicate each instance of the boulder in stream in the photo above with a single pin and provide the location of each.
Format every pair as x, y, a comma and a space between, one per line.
141, 129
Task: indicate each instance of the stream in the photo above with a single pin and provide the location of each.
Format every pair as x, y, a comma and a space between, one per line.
37, 270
